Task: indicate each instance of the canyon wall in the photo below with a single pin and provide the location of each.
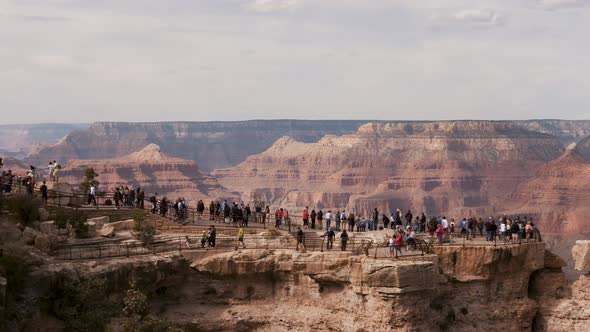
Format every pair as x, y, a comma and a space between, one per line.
224, 144
460, 167
21, 140
153, 171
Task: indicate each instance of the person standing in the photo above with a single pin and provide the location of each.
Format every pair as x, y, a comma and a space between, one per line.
328, 219
50, 171
313, 216
330, 234
320, 217
343, 239
305, 217
374, 221
43, 190
337, 221
300, 239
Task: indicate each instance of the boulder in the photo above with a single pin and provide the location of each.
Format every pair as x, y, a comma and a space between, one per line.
581, 254
43, 214
91, 228
29, 235
122, 225
99, 221
48, 227
45, 242
107, 231
10, 233
60, 193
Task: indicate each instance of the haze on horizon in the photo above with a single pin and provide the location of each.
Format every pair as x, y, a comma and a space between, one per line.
80, 61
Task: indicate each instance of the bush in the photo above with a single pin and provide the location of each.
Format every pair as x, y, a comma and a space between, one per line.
142, 230
137, 316
24, 207
82, 305
108, 202
77, 219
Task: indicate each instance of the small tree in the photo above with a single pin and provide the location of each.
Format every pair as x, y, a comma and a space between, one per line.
142, 230
25, 208
77, 219
89, 179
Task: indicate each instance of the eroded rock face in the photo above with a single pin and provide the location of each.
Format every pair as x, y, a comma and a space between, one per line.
154, 172
558, 194
464, 167
581, 254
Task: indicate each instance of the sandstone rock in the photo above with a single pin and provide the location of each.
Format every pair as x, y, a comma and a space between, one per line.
182, 176
60, 192
553, 261
29, 235
9, 233
91, 229
43, 214
45, 242
122, 225
398, 165
48, 227
99, 221
107, 231
581, 254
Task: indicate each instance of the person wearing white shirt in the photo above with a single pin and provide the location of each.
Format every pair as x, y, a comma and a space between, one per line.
328, 217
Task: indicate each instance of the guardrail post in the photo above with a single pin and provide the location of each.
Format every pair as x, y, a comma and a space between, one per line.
127, 248
99, 252
179, 244
377, 249
70, 253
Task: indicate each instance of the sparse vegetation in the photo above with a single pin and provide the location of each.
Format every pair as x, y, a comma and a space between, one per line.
142, 230
77, 219
24, 208
89, 179
137, 316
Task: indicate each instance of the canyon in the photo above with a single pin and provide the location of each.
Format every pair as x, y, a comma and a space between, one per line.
153, 171
460, 168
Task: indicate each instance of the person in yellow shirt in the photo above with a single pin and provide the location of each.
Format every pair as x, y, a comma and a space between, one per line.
241, 238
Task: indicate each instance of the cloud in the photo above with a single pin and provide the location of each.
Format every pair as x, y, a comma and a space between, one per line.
560, 4
269, 6
478, 18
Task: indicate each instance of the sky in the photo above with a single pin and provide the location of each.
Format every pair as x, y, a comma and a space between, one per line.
195, 60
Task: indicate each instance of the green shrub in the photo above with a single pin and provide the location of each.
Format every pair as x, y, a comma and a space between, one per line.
77, 219
24, 207
142, 230
82, 305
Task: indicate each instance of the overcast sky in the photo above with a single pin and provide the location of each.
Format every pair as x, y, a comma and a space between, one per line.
147, 60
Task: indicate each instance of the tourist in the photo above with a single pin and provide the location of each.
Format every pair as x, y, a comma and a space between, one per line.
320, 217
337, 221
212, 211
300, 239
515, 231
493, 230
313, 217
247, 214
278, 218
212, 236
343, 240
439, 234
390, 243
240, 238
422, 223
445, 225
330, 234
409, 218
204, 239
50, 169
385, 221
452, 226
463, 226
374, 221
480, 226
328, 219
91, 195
529, 230
343, 220
503, 229
43, 190
351, 222
187, 242
200, 209
399, 242
305, 217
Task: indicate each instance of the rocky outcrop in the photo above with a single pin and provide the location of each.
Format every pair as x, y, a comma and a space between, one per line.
20, 140
211, 144
558, 194
153, 171
581, 254
458, 167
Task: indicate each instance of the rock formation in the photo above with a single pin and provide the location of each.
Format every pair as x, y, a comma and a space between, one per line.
211, 144
20, 140
225, 144
559, 194
458, 167
151, 170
